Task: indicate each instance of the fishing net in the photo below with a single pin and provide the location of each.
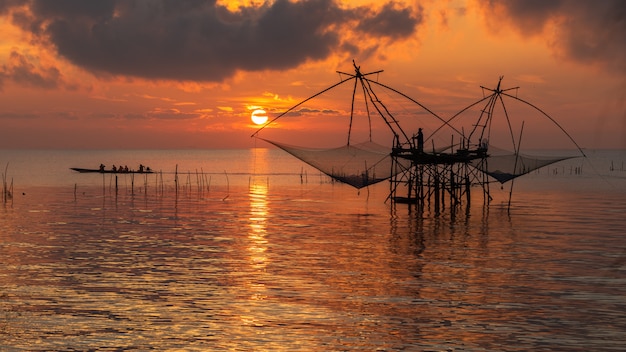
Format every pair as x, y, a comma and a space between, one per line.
358, 165
367, 163
505, 165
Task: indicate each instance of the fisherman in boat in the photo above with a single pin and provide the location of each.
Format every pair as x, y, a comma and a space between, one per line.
113, 168
101, 167
140, 167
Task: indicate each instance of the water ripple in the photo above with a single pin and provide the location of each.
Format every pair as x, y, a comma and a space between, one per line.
262, 270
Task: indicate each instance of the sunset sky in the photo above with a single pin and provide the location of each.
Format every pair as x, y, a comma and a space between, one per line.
189, 74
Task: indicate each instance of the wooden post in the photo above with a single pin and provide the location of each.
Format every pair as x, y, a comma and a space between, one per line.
436, 193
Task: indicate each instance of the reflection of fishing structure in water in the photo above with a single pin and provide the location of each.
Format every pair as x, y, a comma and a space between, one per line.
419, 172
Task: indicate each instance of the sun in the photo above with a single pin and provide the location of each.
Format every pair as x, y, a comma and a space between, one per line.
259, 117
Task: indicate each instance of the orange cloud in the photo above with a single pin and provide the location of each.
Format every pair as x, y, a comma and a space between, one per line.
581, 31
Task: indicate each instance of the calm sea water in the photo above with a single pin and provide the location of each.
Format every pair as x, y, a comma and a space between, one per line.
254, 251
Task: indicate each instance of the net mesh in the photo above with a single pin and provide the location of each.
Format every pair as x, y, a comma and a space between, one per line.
367, 163
505, 165
358, 165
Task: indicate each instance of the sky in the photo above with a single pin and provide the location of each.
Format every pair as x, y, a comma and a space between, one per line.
189, 74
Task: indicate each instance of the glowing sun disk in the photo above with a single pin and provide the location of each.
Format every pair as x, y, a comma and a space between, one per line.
259, 117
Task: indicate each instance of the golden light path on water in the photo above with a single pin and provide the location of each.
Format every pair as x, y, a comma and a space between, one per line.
270, 262
257, 235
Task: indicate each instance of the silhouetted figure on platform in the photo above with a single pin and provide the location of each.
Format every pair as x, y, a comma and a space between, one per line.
420, 141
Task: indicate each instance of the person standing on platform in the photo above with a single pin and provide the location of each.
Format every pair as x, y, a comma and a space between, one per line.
420, 141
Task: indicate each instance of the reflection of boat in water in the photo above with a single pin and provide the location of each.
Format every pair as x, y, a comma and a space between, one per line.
101, 171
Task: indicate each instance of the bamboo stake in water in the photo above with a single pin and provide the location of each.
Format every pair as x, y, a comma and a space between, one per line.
4, 184
176, 180
227, 186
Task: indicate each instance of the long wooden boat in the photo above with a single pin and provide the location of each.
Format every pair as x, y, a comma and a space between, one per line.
82, 170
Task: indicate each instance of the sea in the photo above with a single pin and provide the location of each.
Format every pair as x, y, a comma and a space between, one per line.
253, 250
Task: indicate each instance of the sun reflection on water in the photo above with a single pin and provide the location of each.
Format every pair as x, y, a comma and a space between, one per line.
257, 232
259, 209
258, 225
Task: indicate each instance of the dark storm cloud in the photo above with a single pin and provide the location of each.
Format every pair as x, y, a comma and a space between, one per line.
391, 22
7, 4
72, 8
589, 32
200, 40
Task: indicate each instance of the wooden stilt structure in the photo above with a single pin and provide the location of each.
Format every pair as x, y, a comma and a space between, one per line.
421, 177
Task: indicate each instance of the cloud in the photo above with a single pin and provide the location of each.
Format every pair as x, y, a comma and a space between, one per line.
311, 112
202, 40
391, 22
587, 32
171, 114
18, 116
21, 69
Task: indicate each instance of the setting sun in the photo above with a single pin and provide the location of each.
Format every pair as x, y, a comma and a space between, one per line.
259, 117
